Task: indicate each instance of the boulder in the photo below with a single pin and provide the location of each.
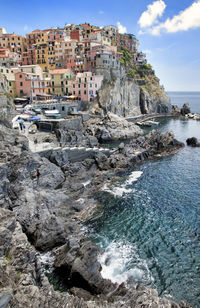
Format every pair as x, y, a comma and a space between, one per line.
78, 260
193, 142
112, 127
185, 109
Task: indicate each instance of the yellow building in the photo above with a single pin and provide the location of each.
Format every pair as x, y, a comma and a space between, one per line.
45, 56
16, 43
59, 81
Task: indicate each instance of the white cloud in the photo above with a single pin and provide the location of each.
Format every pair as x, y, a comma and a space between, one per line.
150, 16
101, 12
185, 20
121, 29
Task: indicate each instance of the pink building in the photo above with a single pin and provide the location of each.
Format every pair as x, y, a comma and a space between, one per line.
23, 84
85, 86
29, 56
39, 87
76, 65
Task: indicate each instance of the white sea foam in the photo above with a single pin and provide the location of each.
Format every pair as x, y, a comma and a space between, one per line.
123, 189
118, 265
47, 261
86, 183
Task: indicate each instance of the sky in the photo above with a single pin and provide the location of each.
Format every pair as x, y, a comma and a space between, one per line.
168, 30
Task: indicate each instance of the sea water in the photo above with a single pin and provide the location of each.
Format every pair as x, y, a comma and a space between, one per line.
149, 224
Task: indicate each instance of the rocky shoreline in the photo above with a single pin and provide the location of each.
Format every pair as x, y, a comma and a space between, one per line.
46, 214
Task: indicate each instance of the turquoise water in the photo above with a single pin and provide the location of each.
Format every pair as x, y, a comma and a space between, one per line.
151, 231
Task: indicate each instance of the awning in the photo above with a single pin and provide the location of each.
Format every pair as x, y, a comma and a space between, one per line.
34, 119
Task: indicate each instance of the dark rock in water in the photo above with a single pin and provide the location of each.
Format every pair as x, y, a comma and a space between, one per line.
193, 142
185, 109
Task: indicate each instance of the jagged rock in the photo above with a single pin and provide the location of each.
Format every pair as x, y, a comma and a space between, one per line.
101, 161
124, 97
154, 102
185, 109
43, 215
193, 142
175, 110
112, 127
79, 259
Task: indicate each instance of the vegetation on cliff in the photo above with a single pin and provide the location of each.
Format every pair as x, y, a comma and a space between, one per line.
143, 75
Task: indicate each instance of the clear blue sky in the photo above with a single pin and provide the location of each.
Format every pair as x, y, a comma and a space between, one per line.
173, 47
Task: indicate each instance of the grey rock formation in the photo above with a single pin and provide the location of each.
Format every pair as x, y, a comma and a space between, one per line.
154, 102
127, 98
185, 109
43, 213
122, 97
175, 110
111, 127
193, 142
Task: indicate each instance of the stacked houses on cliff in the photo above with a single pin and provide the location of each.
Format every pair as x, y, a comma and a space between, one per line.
72, 61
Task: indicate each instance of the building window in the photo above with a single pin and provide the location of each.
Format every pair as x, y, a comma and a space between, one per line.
20, 76
22, 70
74, 92
95, 85
52, 76
73, 85
21, 92
63, 108
62, 89
66, 82
61, 76
79, 85
79, 92
85, 92
90, 85
21, 84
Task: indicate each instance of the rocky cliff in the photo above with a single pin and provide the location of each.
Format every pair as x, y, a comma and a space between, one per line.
44, 214
128, 97
136, 91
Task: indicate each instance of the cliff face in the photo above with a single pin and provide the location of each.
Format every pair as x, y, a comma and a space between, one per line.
121, 97
128, 97
135, 90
